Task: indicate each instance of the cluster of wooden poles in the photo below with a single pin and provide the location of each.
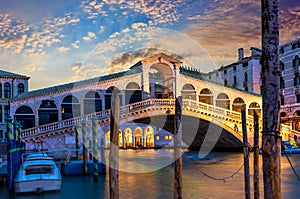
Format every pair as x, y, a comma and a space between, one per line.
16, 148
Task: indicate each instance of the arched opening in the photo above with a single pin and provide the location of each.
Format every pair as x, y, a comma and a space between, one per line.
149, 137
161, 81
138, 137
48, 112
283, 114
254, 106
188, 92
133, 93
120, 140
21, 88
7, 90
128, 138
206, 96
92, 102
108, 94
223, 101
25, 116
296, 113
70, 107
237, 104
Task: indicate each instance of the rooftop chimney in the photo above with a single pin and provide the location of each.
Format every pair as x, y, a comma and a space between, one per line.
241, 54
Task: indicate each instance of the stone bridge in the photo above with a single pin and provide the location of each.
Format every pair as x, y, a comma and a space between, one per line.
200, 120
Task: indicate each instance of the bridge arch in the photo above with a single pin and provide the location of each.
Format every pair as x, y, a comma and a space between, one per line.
223, 101
92, 102
237, 104
25, 116
70, 107
188, 92
48, 112
206, 96
161, 81
133, 93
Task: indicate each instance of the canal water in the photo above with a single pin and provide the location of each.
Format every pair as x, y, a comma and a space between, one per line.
148, 174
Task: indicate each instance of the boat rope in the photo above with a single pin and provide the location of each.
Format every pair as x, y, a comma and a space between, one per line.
287, 157
224, 178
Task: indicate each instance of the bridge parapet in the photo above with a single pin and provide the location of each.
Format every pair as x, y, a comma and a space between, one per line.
230, 119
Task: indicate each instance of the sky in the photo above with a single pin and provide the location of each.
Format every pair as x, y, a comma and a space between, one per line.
56, 42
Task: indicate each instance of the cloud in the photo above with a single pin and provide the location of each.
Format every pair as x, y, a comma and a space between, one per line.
158, 11
63, 49
89, 37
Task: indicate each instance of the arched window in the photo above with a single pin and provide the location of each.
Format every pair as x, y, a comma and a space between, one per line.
246, 77
25, 116
282, 114
133, 93
70, 107
92, 103
254, 106
108, 94
281, 65
206, 96
237, 104
188, 92
281, 83
48, 112
296, 80
223, 101
20, 88
296, 61
7, 90
225, 82
6, 111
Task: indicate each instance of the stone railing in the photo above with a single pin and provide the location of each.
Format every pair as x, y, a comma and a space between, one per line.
99, 115
209, 110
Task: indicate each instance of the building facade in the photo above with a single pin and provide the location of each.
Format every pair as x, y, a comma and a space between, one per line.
11, 85
246, 74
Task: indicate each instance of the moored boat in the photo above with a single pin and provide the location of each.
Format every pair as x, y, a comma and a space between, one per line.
37, 176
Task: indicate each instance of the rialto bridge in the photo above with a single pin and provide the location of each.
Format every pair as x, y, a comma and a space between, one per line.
147, 92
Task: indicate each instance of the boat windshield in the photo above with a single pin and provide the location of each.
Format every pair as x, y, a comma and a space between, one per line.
39, 169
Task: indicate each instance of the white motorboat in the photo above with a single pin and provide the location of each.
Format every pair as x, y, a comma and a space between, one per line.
37, 156
37, 176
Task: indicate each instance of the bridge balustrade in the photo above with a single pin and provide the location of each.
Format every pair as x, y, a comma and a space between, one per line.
190, 105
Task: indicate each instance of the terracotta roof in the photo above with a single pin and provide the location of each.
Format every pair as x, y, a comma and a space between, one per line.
12, 75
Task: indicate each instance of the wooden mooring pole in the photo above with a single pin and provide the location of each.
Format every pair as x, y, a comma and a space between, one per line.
114, 148
177, 149
95, 148
246, 154
84, 148
271, 139
256, 157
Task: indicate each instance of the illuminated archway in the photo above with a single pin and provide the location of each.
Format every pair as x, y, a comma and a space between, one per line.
138, 137
120, 140
128, 138
206, 96
237, 104
149, 137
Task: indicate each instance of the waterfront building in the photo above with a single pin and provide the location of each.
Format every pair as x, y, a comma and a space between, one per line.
11, 85
246, 74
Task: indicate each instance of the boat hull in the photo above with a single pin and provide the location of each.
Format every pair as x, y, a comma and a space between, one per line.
37, 186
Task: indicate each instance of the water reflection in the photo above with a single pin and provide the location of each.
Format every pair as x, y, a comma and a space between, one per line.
159, 183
